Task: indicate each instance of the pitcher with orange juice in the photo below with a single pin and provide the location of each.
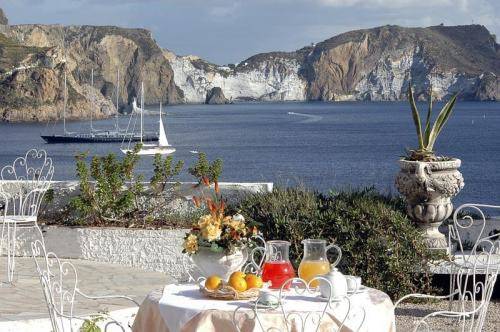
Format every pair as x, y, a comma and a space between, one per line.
315, 262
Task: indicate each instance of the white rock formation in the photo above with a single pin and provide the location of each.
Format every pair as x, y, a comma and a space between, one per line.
388, 80
274, 80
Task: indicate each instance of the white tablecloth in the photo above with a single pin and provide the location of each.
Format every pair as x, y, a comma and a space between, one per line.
183, 308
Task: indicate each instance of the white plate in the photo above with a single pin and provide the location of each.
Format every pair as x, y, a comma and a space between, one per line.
361, 289
331, 300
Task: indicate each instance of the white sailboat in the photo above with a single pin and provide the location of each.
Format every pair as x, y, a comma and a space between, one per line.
162, 147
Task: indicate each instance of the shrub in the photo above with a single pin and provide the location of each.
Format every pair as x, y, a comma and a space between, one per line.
112, 194
379, 243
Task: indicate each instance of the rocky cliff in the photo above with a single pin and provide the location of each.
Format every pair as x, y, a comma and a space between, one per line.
376, 64
370, 64
34, 58
216, 97
275, 78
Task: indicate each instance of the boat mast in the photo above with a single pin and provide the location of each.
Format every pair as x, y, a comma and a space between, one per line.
117, 97
65, 87
65, 101
92, 106
142, 107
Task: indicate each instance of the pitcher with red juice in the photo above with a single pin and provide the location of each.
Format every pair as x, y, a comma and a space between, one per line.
277, 267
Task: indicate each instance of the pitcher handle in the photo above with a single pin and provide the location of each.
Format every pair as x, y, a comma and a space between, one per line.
258, 265
262, 250
339, 253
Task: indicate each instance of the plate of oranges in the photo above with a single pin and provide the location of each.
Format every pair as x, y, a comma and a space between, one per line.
239, 286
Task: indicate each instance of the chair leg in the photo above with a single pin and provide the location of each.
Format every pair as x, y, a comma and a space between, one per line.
2, 244
452, 289
12, 264
9, 232
2, 239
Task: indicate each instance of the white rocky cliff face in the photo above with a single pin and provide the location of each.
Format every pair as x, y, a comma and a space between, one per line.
277, 79
389, 79
372, 64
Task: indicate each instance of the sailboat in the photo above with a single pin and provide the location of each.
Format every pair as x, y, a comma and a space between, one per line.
162, 147
96, 136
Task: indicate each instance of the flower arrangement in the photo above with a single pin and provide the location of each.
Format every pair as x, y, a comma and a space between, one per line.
215, 231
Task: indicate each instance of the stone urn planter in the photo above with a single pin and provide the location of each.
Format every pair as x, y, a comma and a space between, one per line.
214, 263
428, 188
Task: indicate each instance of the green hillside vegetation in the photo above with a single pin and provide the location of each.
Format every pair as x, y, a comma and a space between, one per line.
12, 53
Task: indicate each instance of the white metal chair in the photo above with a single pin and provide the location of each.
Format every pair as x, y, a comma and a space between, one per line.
474, 268
289, 320
22, 188
59, 281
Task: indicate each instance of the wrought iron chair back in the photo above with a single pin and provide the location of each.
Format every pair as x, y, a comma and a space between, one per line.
465, 218
59, 281
475, 281
342, 309
474, 269
26, 181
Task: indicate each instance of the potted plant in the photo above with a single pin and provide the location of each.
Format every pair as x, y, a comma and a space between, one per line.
217, 244
427, 181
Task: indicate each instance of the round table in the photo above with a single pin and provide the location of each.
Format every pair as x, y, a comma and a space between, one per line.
182, 308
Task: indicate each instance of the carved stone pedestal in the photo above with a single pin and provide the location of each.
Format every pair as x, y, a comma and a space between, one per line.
428, 188
433, 237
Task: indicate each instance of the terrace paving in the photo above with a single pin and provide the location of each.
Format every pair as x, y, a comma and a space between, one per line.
24, 300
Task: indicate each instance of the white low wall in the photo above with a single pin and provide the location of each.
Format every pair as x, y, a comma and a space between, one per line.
153, 250
180, 202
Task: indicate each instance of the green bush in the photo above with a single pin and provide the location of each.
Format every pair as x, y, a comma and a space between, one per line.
379, 243
112, 194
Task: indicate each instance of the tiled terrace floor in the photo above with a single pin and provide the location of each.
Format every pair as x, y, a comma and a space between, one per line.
24, 300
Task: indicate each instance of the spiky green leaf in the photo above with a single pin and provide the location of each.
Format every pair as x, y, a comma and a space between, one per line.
441, 120
427, 132
416, 117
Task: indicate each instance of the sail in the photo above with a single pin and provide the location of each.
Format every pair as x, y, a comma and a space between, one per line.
135, 109
162, 139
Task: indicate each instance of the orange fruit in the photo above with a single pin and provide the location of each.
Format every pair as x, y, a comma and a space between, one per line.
239, 284
253, 281
237, 274
213, 282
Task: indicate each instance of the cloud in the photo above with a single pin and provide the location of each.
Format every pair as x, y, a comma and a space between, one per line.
224, 10
394, 3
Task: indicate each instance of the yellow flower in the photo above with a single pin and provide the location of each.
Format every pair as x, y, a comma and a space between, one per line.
211, 232
227, 220
191, 244
205, 221
237, 225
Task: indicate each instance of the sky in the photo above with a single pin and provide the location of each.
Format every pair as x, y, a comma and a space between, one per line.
229, 31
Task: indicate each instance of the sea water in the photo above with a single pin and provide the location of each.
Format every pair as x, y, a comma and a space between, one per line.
320, 145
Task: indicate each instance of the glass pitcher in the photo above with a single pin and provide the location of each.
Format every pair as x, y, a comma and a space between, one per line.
315, 262
277, 267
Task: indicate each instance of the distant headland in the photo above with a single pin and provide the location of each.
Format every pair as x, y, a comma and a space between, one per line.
370, 64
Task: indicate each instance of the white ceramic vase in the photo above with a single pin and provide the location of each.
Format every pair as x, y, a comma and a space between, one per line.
213, 263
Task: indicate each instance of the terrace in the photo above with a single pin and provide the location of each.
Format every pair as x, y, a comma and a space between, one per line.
112, 252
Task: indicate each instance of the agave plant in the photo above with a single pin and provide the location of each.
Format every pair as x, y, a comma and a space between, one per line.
427, 138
